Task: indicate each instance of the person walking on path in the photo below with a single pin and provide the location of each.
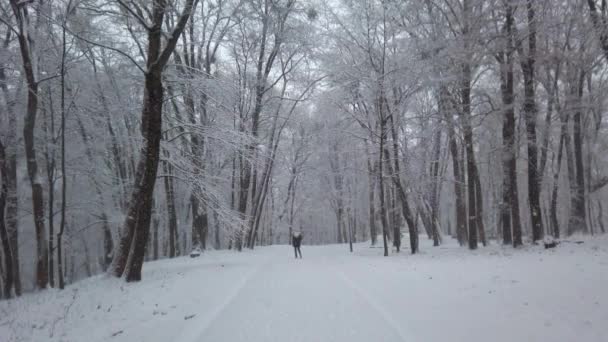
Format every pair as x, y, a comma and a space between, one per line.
296, 241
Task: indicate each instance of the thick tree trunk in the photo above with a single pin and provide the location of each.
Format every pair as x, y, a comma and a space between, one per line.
147, 170
129, 258
12, 201
511, 223
25, 45
530, 113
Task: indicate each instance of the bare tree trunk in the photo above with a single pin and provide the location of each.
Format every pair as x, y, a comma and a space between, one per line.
131, 250
577, 222
172, 215
155, 242
600, 216
4, 236
25, 44
572, 222
461, 208
12, 202
479, 208
470, 155
371, 171
51, 168
553, 211
434, 188
216, 222
63, 168
511, 223
530, 113
381, 185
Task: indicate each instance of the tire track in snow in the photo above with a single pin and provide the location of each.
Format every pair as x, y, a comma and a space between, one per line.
373, 304
200, 326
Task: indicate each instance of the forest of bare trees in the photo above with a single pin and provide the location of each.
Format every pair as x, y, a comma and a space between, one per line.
133, 130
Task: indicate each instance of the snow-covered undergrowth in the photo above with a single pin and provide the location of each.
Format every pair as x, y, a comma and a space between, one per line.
445, 293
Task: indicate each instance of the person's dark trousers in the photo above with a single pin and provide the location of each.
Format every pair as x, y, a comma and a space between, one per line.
297, 251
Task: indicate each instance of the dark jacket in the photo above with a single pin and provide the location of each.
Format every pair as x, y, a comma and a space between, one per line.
296, 241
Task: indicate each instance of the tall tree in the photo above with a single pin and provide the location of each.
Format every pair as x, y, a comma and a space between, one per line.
511, 224
26, 39
129, 257
527, 62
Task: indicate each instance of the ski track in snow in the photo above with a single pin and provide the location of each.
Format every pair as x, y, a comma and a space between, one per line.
200, 326
374, 305
304, 300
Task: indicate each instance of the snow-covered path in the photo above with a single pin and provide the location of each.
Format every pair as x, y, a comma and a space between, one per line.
297, 300
442, 294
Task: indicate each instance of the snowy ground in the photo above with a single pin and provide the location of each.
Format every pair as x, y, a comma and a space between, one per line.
443, 294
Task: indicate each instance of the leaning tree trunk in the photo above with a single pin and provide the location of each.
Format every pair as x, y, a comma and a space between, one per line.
129, 258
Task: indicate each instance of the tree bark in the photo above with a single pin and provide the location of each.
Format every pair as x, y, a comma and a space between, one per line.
371, 171
511, 223
25, 46
12, 201
172, 216
4, 235
530, 112
577, 222
434, 187
459, 182
553, 211
470, 156
383, 218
